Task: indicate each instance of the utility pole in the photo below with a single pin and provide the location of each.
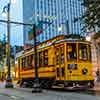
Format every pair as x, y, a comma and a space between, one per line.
9, 79
36, 86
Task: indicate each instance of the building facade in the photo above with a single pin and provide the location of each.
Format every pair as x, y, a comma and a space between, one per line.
55, 17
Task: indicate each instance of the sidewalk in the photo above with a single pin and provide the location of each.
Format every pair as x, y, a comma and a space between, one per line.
2, 84
96, 87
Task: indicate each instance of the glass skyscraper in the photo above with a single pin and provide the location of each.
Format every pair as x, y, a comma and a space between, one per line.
60, 13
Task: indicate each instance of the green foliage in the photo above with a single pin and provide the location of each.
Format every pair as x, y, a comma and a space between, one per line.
96, 36
91, 16
2, 51
13, 50
19, 48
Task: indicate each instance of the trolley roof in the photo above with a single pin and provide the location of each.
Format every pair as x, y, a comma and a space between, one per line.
55, 40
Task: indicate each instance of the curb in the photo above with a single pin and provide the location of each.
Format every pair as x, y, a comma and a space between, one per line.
24, 89
97, 90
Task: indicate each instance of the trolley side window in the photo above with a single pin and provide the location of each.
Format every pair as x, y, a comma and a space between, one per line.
23, 63
40, 59
27, 62
58, 71
30, 59
62, 54
90, 53
45, 57
71, 51
83, 52
57, 56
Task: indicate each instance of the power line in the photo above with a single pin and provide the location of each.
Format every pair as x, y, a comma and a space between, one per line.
18, 23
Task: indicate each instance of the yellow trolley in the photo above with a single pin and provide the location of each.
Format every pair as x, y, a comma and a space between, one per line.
62, 61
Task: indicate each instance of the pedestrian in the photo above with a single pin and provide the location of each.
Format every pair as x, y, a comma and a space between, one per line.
98, 76
97, 72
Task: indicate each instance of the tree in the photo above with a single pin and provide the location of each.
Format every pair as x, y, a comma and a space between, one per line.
91, 16
14, 49
96, 36
2, 51
19, 48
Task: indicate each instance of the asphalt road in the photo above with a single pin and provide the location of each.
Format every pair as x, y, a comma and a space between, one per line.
26, 94
2, 97
79, 91
9, 97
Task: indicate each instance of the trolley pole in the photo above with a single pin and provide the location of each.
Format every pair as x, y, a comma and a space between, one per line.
36, 86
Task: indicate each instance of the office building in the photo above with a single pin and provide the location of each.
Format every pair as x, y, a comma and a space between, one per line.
57, 17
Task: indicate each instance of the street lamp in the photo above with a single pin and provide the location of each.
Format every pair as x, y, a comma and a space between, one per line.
36, 86
6, 9
64, 26
13, 1
88, 38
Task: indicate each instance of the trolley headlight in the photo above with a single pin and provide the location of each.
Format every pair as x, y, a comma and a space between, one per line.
72, 66
84, 71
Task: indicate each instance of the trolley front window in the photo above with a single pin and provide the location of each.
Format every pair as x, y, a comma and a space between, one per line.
83, 52
71, 51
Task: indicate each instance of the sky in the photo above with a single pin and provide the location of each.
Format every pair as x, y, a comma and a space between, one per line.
16, 31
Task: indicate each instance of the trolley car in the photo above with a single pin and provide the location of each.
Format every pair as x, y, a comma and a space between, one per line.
62, 61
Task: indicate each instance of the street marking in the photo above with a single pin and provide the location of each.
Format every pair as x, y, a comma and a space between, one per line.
15, 98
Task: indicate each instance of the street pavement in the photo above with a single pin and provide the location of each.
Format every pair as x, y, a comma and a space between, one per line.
26, 94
